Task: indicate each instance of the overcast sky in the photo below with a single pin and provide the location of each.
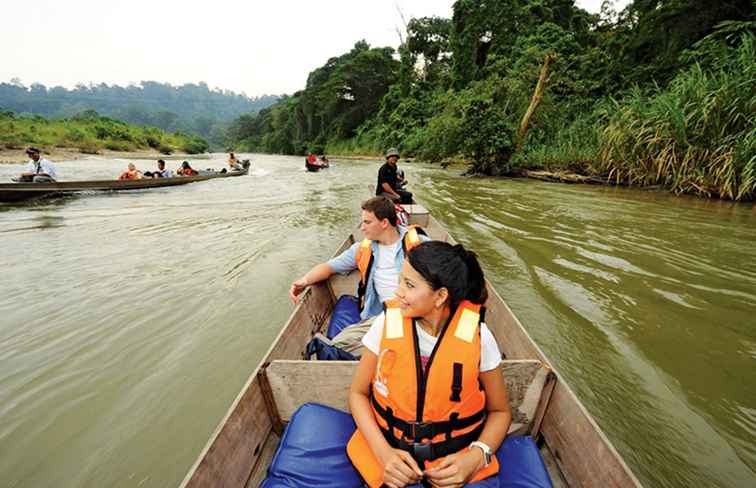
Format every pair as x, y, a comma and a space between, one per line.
255, 47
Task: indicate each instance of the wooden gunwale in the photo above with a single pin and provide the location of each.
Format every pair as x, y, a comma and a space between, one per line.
575, 450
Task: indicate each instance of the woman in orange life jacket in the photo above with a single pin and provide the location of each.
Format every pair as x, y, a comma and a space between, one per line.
428, 395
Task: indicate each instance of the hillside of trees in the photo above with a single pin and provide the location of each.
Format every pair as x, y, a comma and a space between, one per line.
189, 108
660, 93
90, 133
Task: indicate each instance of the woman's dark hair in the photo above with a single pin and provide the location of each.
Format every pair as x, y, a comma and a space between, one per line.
185, 164
452, 267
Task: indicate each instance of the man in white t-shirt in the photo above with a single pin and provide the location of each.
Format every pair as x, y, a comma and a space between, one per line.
379, 224
38, 168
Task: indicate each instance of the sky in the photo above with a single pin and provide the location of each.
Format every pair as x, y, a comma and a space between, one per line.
253, 47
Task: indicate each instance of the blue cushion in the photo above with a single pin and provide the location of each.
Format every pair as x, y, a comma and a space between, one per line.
312, 451
345, 313
521, 465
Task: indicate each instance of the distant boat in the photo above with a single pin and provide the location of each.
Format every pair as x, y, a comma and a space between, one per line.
314, 168
16, 192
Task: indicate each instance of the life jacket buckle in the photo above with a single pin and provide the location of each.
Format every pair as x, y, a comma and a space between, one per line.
422, 452
417, 431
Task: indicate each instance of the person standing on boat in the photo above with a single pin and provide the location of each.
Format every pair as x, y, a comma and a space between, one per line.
378, 257
428, 396
38, 169
388, 181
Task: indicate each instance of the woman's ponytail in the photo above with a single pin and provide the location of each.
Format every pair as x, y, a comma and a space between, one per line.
476, 282
450, 267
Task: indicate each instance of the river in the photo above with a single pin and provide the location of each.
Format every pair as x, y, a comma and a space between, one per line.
129, 321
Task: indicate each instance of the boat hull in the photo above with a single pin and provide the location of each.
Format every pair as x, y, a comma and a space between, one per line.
15, 192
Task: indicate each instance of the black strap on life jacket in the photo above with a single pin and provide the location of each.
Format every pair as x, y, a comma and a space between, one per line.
362, 285
456, 387
422, 452
418, 431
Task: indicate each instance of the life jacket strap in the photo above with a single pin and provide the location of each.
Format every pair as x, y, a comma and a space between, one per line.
417, 431
422, 452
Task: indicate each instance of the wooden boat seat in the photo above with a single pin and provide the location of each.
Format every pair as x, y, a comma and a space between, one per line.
293, 383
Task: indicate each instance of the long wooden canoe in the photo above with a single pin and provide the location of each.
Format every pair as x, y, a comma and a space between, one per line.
14, 192
575, 450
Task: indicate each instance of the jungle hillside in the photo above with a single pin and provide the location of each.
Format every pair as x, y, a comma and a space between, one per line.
659, 94
192, 109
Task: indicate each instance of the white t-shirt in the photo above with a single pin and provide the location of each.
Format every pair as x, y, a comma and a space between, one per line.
45, 166
386, 277
490, 355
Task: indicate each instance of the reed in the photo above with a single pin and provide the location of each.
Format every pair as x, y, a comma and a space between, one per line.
697, 136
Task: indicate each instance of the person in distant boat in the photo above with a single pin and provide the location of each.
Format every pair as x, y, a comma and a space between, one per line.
161, 172
38, 169
131, 173
388, 182
378, 257
233, 163
431, 343
186, 170
312, 159
324, 161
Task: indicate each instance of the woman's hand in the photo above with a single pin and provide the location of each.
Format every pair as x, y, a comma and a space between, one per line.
399, 469
455, 469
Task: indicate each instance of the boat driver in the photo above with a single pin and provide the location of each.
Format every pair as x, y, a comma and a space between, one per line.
39, 169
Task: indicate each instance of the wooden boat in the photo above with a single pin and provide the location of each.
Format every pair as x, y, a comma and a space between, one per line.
14, 192
575, 451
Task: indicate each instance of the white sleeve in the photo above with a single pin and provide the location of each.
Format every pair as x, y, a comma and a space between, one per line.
490, 355
30, 167
372, 338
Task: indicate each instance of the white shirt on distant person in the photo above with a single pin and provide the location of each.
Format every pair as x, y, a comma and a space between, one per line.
45, 167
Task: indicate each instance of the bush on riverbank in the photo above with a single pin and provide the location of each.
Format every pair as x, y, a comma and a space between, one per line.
90, 133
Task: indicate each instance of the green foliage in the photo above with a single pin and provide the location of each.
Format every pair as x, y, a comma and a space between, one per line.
90, 133
192, 108
657, 94
697, 136
339, 97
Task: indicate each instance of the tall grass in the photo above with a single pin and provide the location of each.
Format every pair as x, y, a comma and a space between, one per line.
697, 136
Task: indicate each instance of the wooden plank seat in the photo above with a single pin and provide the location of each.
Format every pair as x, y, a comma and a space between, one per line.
295, 382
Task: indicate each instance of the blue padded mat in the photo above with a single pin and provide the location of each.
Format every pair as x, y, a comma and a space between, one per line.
312, 453
346, 312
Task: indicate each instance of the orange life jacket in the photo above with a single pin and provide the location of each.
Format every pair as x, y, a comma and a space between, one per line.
128, 175
429, 414
364, 257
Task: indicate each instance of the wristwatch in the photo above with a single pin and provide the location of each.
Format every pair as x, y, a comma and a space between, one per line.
487, 452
